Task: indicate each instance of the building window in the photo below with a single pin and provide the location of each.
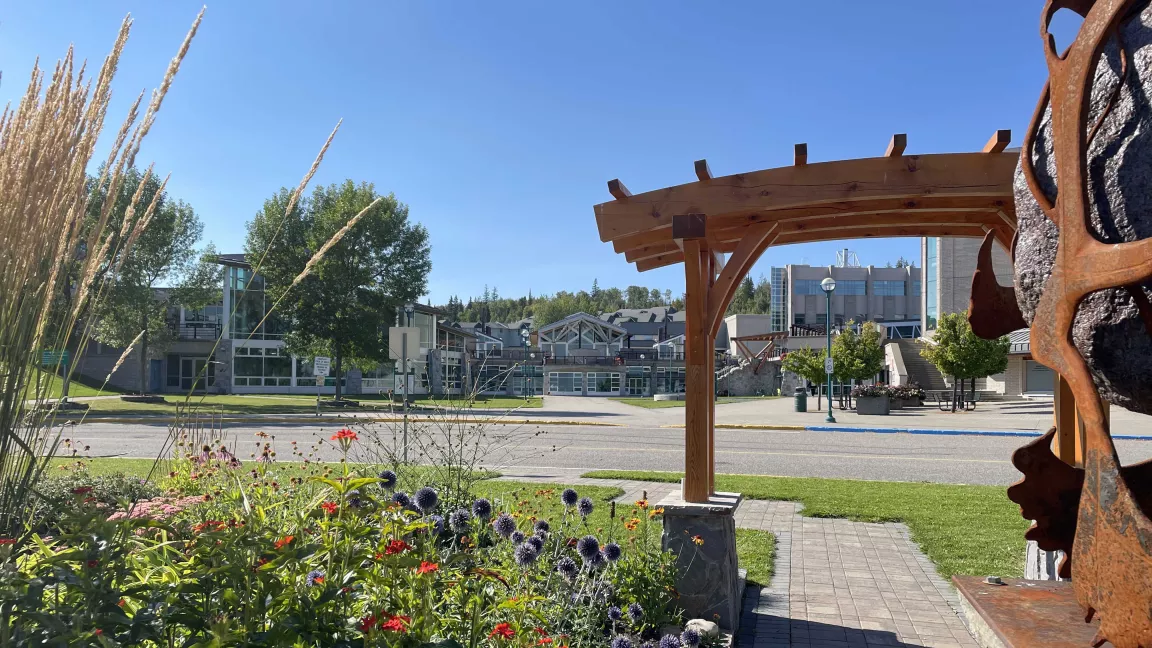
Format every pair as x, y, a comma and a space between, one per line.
808, 286
916, 287
261, 367
528, 380
798, 319
566, 383
888, 288
779, 308
491, 378
931, 293
250, 305
851, 287
603, 383
639, 381
670, 380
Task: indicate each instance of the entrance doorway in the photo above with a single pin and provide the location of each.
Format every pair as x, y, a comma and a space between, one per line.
184, 372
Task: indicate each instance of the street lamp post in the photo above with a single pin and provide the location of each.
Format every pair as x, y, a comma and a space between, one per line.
525, 335
641, 372
828, 285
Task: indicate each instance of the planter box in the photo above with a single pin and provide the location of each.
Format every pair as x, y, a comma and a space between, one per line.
873, 405
896, 403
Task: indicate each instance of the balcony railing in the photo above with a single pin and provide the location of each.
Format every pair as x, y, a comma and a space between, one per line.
620, 358
195, 330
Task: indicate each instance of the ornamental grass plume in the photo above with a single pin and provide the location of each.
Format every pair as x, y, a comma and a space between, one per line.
57, 261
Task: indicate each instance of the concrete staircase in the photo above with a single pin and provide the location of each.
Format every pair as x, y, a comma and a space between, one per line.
920, 370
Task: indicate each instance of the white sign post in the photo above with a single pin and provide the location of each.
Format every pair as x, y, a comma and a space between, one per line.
321, 365
404, 342
828, 366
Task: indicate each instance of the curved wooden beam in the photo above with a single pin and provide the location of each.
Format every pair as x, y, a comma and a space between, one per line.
702, 170
743, 258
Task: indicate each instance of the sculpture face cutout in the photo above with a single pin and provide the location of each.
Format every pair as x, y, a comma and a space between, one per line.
1083, 260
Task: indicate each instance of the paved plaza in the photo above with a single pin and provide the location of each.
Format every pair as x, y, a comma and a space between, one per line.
837, 583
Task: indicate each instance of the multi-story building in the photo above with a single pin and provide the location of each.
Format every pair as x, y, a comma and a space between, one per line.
948, 267
890, 296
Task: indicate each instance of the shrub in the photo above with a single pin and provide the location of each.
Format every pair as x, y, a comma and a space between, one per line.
911, 391
76, 490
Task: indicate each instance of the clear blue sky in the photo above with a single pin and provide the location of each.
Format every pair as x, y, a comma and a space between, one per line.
499, 123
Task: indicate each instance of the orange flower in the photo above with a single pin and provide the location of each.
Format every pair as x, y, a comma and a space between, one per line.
397, 623
698, 541
632, 524
396, 547
642, 503
286, 540
345, 434
503, 631
330, 507
427, 567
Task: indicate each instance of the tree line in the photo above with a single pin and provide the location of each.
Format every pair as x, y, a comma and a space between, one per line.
752, 297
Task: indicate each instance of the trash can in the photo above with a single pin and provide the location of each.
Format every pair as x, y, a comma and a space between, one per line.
801, 399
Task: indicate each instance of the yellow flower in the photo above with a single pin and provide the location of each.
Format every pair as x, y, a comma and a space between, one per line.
698, 541
642, 503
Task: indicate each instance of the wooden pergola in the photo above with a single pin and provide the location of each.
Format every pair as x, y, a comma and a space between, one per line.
742, 215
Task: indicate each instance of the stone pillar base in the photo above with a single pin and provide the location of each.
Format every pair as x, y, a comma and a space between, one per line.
708, 580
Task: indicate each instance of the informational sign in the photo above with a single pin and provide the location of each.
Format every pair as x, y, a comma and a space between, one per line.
396, 342
321, 365
828, 369
54, 357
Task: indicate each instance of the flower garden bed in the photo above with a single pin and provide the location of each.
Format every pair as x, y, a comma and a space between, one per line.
269, 553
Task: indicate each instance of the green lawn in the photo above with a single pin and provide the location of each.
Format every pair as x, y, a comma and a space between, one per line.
290, 404
49, 385
971, 530
756, 551
648, 403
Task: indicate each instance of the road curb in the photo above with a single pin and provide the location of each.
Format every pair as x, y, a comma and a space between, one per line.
334, 420
887, 430
743, 426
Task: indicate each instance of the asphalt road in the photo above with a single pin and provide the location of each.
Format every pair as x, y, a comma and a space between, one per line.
568, 450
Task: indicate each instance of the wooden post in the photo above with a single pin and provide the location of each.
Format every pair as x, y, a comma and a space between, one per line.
699, 365
1069, 442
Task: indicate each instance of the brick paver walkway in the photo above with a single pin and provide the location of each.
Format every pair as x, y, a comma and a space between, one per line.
837, 584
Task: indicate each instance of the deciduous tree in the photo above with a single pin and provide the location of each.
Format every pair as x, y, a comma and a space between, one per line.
344, 306
958, 352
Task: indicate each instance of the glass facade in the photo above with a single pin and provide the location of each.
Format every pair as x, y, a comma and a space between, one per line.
931, 289
249, 305
851, 287
186, 372
639, 381
810, 287
528, 380
262, 367
491, 378
779, 316
670, 380
888, 288
603, 383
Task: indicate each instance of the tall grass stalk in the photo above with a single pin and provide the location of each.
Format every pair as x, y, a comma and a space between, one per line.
54, 264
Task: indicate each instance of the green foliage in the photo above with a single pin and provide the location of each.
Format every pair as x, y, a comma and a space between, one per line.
58, 495
753, 298
275, 554
164, 255
858, 356
806, 363
345, 305
957, 351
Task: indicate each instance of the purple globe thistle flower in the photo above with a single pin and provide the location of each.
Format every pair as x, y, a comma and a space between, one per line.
387, 479
569, 497
525, 554
355, 500
543, 535
459, 520
648, 644
567, 568
615, 614
517, 537
670, 641
315, 577
536, 542
504, 525
482, 508
588, 547
542, 525
437, 524
621, 642
584, 507
402, 499
597, 561
635, 612
426, 499
612, 551
690, 638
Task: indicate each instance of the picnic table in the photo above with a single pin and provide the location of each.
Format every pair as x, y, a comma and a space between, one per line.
943, 399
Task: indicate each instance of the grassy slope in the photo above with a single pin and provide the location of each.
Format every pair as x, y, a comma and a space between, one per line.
50, 386
974, 530
286, 404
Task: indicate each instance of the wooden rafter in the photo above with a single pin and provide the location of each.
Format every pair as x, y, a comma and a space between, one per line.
897, 145
702, 170
800, 155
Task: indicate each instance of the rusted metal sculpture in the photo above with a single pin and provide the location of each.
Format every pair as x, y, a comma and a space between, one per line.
1110, 538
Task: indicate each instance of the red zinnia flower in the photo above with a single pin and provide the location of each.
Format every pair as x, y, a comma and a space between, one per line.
330, 507
396, 547
282, 542
345, 434
503, 631
368, 622
427, 567
544, 641
93, 563
82, 490
7, 541
397, 623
